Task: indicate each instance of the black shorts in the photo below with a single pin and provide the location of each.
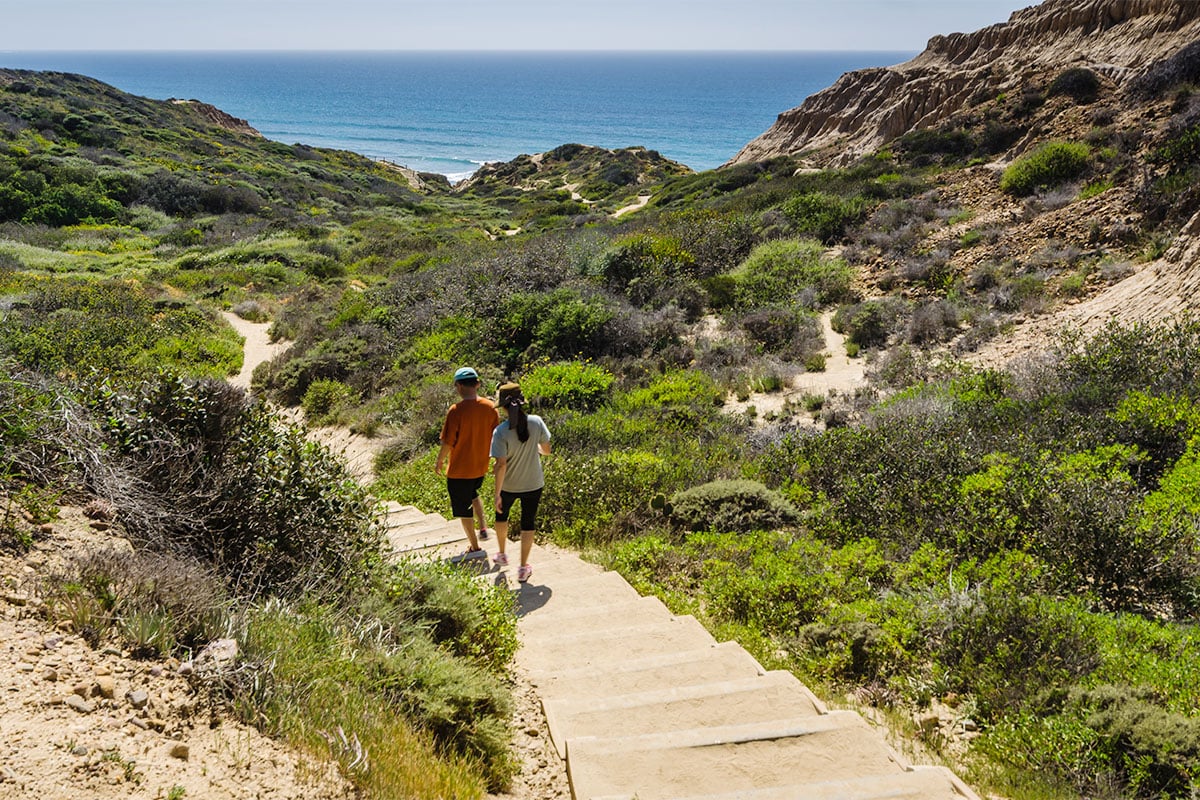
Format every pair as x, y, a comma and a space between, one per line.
462, 492
529, 507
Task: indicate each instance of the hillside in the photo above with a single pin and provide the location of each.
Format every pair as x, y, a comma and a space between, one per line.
783, 395
1113, 76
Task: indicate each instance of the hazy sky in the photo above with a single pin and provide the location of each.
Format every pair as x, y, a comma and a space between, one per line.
490, 24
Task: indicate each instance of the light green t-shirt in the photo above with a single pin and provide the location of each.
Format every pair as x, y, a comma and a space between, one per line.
523, 470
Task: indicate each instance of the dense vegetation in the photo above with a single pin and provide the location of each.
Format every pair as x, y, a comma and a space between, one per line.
1020, 545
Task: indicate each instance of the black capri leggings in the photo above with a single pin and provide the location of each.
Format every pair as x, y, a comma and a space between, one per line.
529, 507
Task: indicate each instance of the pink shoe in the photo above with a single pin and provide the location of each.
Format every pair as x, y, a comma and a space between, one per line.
500, 559
524, 572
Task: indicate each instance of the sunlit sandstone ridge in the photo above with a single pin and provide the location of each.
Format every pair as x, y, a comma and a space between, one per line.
1117, 39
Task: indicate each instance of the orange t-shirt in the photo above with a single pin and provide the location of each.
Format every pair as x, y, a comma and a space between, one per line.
468, 431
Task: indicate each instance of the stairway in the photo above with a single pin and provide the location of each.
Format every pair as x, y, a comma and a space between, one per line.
645, 704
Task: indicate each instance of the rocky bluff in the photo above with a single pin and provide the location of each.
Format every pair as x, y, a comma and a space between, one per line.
1117, 39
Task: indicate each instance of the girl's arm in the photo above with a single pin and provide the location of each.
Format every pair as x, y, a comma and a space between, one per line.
500, 468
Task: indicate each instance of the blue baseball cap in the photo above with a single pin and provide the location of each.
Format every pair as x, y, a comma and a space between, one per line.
466, 374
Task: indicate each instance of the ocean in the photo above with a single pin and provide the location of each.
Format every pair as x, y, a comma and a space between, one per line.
449, 112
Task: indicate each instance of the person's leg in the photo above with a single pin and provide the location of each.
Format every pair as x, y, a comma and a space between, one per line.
529, 508
526, 546
468, 525
461, 491
480, 520
501, 527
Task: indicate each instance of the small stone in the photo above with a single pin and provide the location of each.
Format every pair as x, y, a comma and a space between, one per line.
969, 725
112, 651
138, 698
156, 671
217, 656
50, 675
79, 750
55, 700
99, 525
106, 687
81, 689
186, 668
180, 751
532, 732
929, 723
79, 704
156, 723
138, 722
25, 667
46, 528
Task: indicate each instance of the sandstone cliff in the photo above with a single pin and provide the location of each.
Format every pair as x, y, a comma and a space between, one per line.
217, 117
1118, 39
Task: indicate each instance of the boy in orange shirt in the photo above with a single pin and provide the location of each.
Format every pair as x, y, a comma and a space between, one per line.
466, 443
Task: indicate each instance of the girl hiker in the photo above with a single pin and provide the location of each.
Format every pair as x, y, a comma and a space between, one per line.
518, 444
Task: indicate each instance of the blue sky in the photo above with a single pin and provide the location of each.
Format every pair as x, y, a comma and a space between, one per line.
490, 24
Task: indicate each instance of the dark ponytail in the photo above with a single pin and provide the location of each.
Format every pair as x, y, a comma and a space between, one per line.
512, 401
517, 419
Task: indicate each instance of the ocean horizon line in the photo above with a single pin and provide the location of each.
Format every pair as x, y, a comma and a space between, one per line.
448, 51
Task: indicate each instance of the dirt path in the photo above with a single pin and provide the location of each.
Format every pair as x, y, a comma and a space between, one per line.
634, 206
257, 349
842, 375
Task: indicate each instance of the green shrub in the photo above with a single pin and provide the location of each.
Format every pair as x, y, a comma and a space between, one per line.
864, 324
1046, 167
570, 384
1181, 152
784, 330
556, 325
221, 480
429, 723
323, 398
1094, 741
158, 603
777, 272
470, 619
651, 270
822, 216
732, 505
686, 388
1007, 642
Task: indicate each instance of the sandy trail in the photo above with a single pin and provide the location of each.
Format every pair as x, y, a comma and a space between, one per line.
842, 375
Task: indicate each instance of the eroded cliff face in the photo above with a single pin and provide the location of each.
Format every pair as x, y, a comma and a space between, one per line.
1117, 39
215, 116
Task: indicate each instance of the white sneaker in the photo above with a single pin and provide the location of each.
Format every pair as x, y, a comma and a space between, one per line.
500, 559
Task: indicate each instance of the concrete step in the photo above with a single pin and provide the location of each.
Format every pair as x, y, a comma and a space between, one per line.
397, 513
399, 529
541, 594
919, 783
555, 622
763, 698
723, 661
838, 746
607, 646
429, 538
